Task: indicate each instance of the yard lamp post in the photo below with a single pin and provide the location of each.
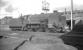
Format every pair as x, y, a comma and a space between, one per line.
71, 14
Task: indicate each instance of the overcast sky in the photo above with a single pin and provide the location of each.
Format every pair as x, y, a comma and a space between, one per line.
16, 7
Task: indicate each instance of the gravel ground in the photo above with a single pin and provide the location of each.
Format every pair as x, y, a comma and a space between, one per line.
9, 43
32, 41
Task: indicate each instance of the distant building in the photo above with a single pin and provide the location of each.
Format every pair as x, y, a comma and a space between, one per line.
14, 21
5, 20
77, 16
0, 21
76, 13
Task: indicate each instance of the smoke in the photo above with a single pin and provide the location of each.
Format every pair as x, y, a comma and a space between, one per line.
9, 9
3, 3
6, 6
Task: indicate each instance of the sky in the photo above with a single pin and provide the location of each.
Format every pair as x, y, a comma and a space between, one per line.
16, 7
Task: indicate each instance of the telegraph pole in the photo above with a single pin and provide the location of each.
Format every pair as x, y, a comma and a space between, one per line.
45, 6
71, 14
